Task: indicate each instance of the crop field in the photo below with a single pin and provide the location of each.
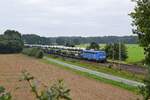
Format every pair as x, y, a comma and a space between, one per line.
135, 52
82, 88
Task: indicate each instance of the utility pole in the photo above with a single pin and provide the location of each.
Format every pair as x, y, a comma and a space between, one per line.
113, 52
119, 54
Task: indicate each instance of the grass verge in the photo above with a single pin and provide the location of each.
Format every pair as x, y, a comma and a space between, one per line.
100, 68
114, 83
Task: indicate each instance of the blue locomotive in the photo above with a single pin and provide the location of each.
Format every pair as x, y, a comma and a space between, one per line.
99, 56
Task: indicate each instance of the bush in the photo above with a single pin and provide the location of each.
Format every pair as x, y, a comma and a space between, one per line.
34, 52
4, 95
57, 91
39, 54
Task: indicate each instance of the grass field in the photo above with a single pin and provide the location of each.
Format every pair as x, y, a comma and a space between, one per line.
135, 52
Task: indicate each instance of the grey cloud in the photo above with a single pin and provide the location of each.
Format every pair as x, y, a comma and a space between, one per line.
67, 17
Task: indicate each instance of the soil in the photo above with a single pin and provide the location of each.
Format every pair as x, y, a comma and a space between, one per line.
82, 88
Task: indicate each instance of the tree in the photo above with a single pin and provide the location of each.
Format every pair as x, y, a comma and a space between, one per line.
112, 51
11, 42
12, 34
141, 22
35, 39
94, 46
109, 50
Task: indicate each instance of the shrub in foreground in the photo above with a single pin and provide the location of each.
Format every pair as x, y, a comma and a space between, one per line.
34, 52
4, 95
57, 91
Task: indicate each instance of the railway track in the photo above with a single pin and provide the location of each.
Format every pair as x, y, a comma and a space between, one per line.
127, 67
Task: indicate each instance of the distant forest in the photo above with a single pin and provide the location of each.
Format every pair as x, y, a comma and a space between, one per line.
35, 39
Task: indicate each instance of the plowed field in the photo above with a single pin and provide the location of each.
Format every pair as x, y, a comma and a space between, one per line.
81, 87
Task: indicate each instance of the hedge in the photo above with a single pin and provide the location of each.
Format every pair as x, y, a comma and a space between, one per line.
34, 52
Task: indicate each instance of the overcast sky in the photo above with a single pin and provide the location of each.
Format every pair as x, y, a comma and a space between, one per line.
67, 17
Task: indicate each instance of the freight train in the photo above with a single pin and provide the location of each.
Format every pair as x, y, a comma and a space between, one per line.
73, 52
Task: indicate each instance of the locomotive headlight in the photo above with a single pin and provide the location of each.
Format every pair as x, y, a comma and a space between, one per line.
103, 56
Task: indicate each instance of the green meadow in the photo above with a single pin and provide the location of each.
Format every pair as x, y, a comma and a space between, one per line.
135, 53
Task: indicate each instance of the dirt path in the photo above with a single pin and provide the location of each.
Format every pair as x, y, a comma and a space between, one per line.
82, 88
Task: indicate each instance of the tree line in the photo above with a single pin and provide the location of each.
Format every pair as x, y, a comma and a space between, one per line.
71, 41
12, 42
